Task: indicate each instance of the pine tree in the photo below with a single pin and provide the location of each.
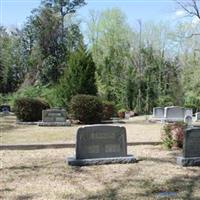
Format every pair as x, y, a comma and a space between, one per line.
79, 76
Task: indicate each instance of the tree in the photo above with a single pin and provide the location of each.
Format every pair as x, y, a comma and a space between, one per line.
109, 43
66, 7
79, 76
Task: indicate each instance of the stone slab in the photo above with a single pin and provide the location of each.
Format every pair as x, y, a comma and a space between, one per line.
197, 116
101, 161
53, 124
54, 115
174, 113
101, 141
158, 112
26, 123
187, 162
191, 147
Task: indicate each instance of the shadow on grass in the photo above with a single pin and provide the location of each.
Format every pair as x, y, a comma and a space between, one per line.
25, 197
183, 187
32, 167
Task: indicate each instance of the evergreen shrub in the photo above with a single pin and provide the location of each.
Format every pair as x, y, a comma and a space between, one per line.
28, 109
86, 108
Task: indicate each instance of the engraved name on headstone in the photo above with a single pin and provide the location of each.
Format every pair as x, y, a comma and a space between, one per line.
101, 144
191, 148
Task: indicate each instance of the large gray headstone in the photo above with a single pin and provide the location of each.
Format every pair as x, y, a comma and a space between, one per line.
197, 116
174, 113
191, 148
158, 112
101, 144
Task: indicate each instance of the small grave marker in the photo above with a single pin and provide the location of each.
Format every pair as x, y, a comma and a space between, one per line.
53, 117
197, 116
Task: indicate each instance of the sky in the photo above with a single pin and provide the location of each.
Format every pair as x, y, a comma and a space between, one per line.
13, 13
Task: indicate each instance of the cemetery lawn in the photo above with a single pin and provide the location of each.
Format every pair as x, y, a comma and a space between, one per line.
138, 130
43, 174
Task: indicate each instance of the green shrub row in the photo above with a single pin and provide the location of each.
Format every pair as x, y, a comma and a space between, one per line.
87, 109
28, 109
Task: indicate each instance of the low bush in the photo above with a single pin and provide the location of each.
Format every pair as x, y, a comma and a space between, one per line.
173, 135
28, 109
121, 113
109, 110
86, 108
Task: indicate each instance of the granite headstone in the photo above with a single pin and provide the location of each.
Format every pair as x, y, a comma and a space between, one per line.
174, 113
188, 120
53, 117
158, 112
191, 148
101, 144
197, 116
188, 112
4, 108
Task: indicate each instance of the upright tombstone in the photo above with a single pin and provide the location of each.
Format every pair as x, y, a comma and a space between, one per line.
174, 113
191, 148
101, 144
4, 108
158, 112
197, 116
53, 117
188, 112
188, 120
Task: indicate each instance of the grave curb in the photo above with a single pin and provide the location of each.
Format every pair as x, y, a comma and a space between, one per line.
58, 146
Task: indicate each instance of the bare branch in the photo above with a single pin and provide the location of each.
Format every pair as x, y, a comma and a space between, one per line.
190, 7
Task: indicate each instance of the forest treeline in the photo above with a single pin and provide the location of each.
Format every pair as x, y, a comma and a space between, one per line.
136, 67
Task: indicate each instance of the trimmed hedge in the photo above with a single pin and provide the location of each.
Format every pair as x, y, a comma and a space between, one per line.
86, 108
29, 110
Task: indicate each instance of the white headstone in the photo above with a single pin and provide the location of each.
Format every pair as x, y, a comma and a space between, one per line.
197, 116
188, 120
188, 111
174, 113
158, 112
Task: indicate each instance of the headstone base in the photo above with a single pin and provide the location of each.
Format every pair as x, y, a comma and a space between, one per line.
186, 162
53, 124
101, 161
